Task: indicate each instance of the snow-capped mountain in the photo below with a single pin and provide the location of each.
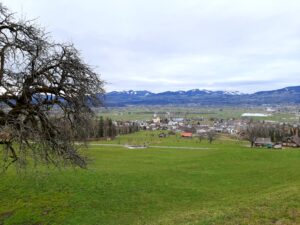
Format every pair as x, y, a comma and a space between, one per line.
289, 95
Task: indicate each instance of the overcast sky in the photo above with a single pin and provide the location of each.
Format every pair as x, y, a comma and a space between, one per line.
159, 45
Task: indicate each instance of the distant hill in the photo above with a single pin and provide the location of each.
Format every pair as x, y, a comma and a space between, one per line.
289, 95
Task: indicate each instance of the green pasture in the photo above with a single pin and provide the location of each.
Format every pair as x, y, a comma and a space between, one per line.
228, 183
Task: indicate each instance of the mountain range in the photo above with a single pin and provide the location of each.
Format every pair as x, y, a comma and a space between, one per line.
288, 95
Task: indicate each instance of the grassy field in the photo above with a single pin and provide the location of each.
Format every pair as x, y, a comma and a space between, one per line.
228, 183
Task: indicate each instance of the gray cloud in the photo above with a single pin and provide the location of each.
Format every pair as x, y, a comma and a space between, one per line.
156, 45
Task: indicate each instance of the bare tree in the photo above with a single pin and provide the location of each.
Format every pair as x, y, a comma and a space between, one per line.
211, 136
200, 137
38, 75
256, 130
251, 134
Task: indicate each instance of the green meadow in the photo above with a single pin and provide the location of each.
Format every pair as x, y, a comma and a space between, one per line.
225, 182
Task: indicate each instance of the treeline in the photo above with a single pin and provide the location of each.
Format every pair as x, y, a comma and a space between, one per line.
277, 132
106, 128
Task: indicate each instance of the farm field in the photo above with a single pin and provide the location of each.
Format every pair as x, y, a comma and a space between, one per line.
226, 182
146, 113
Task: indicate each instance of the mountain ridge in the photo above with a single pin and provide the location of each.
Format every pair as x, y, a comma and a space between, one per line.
287, 95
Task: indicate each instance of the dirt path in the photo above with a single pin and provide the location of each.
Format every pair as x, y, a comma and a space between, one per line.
155, 146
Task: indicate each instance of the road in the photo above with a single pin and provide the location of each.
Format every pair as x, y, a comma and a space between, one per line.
155, 146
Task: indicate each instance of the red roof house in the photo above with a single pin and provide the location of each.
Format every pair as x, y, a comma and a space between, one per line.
186, 134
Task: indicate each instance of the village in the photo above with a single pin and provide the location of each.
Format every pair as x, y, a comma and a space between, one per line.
211, 128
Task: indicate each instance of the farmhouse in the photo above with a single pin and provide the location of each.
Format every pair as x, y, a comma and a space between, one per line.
201, 131
293, 141
178, 120
162, 135
172, 123
186, 135
156, 120
264, 142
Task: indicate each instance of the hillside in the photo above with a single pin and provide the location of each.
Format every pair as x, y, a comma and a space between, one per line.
226, 183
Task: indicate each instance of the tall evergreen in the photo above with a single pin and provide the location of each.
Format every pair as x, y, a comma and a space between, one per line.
110, 128
101, 127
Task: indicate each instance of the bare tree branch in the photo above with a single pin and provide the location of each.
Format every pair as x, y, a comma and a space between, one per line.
38, 75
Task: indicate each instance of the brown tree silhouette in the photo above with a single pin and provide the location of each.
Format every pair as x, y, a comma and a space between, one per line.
38, 76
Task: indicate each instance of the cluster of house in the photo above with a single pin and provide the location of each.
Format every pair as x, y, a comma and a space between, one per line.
188, 128
194, 126
293, 142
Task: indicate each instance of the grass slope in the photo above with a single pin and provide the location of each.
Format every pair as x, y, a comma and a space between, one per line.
227, 184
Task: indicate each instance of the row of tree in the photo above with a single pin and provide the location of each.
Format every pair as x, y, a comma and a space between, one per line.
277, 132
106, 128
